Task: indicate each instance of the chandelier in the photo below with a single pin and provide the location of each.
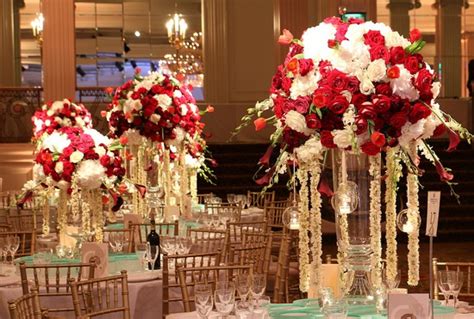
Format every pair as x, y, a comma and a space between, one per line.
176, 27
37, 28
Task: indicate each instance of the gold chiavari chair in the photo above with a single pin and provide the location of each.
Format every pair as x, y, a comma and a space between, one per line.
172, 296
253, 254
466, 267
27, 307
126, 234
26, 221
5, 227
258, 199
27, 241
236, 230
163, 229
190, 276
250, 239
274, 217
52, 280
99, 297
4, 200
209, 240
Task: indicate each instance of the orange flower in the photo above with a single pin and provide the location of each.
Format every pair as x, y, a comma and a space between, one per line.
292, 65
128, 115
378, 139
393, 72
260, 123
210, 109
180, 77
128, 155
109, 90
286, 37
123, 140
122, 188
105, 200
103, 113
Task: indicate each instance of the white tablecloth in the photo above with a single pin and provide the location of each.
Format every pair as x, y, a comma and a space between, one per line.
252, 214
145, 298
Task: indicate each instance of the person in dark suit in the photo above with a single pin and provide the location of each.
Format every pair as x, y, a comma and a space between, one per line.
470, 78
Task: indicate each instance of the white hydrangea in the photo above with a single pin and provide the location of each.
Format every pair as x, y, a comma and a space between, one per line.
411, 132
56, 142
309, 151
163, 100
90, 174
304, 85
343, 138
297, 122
402, 85
315, 42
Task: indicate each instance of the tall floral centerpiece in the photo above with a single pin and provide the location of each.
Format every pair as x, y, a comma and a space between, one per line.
86, 167
158, 120
363, 92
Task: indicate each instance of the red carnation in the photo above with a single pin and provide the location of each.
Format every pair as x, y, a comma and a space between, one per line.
327, 139
370, 148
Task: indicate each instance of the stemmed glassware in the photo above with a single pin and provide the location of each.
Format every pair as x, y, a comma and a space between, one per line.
151, 255
14, 244
455, 281
203, 300
390, 283
5, 246
224, 298
258, 285
443, 285
243, 287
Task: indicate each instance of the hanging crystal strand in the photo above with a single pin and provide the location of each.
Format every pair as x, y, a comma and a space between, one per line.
98, 216
183, 180
86, 213
141, 176
62, 213
133, 166
304, 228
413, 219
46, 210
391, 185
315, 224
341, 218
193, 185
167, 177
375, 217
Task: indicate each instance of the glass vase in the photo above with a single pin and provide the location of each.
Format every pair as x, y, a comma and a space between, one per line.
351, 203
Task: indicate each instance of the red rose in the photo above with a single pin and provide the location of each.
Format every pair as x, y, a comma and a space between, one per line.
352, 84
398, 119
175, 119
382, 103
324, 67
393, 72
392, 142
370, 148
322, 96
327, 139
368, 111
276, 80
374, 38
301, 104
418, 112
415, 35
358, 99
412, 64
378, 139
361, 124
105, 160
339, 105
379, 52
68, 168
313, 121
397, 55
305, 65
423, 81
68, 151
278, 104
383, 89
337, 80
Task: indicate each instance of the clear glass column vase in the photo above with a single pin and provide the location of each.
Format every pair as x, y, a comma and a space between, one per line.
155, 202
351, 203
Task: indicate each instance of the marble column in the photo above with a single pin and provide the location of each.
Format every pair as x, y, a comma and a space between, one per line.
10, 61
448, 46
59, 50
399, 17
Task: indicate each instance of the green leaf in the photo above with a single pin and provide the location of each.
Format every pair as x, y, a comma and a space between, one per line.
299, 56
290, 75
319, 113
415, 47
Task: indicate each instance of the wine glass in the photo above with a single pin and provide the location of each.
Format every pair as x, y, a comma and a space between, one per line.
203, 299
243, 310
390, 283
151, 254
443, 285
112, 242
243, 287
336, 310
455, 281
258, 285
230, 198
119, 241
14, 245
224, 298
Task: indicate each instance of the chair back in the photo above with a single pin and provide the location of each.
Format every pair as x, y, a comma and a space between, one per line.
26, 306
102, 296
274, 217
237, 229
202, 198
52, 280
208, 240
190, 276
25, 220
163, 229
172, 296
257, 255
27, 241
467, 289
258, 199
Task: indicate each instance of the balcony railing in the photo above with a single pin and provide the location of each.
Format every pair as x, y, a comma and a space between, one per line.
17, 105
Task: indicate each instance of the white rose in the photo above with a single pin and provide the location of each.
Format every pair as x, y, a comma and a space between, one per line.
304, 85
183, 109
377, 70
163, 100
297, 122
366, 86
342, 138
309, 151
154, 118
59, 167
38, 173
76, 157
177, 93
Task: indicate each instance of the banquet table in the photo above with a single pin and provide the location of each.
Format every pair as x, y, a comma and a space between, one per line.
145, 292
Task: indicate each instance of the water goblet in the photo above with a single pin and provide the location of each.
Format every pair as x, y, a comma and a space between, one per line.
140, 249
258, 285
119, 241
14, 242
224, 298
455, 282
243, 310
443, 285
112, 242
204, 306
243, 286
336, 310
230, 198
